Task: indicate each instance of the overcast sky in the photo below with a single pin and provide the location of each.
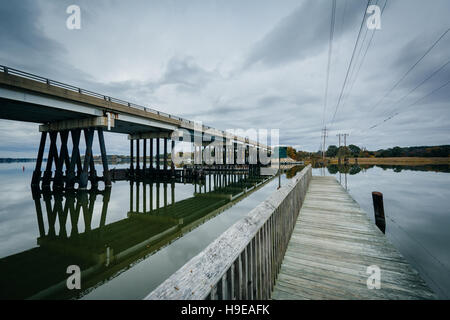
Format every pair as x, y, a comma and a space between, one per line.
242, 64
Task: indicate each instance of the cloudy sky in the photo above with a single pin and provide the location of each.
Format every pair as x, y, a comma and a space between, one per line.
244, 64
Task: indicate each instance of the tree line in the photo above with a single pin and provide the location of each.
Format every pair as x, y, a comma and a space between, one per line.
353, 151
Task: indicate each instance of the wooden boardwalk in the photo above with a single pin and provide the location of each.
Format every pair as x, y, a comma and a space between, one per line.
332, 245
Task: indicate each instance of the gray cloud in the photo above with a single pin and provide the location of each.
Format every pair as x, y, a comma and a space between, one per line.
235, 65
303, 33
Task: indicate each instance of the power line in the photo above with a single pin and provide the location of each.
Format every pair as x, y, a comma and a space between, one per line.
410, 69
364, 56
419, 85
330, 51
350, 64
412, 104
395, 113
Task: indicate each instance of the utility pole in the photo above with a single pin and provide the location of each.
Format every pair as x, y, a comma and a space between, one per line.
345, 135
345, 158
324, 135
338, 153
345, 139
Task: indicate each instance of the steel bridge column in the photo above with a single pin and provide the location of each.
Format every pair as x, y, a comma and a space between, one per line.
92, 172
165, 157
75, 159
144, 161
63, 157
37, 170
106, 174
52, 156
88, 135
151, 155
172, 157
131, 158
157, 155
138, 167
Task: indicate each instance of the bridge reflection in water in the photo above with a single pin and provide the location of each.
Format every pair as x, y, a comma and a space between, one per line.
67, 235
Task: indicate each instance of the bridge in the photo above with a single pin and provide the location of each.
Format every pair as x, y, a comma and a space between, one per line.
64, 110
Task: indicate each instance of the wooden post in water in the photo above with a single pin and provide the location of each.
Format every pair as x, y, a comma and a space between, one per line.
378, 208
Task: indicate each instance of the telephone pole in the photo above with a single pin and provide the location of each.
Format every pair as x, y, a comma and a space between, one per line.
324, 136
339, 135
345, 135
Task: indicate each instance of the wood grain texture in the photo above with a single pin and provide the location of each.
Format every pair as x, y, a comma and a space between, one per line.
332, 245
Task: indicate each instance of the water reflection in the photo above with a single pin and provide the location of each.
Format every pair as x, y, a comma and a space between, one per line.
68, 236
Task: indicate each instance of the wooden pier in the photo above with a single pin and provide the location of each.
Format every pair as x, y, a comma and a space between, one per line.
332, 245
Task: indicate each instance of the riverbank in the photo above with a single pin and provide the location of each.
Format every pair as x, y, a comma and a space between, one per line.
410, 161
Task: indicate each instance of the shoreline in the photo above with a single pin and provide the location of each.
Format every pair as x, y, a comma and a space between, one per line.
409, 161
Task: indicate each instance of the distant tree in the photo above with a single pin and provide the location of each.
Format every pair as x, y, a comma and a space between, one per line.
332, 151
363, 154
344, 152
397, 152
355, 150
291, 152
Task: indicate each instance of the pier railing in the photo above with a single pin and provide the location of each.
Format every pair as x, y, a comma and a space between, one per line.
243, 263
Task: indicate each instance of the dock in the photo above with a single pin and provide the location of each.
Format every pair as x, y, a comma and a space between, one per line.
332, 245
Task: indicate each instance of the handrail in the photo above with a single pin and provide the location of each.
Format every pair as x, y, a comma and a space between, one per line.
243, 263
59, 84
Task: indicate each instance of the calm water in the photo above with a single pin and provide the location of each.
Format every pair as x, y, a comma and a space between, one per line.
147, 244
147, 231
417, 209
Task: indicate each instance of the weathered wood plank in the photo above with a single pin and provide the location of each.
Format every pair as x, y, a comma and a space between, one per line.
331, 247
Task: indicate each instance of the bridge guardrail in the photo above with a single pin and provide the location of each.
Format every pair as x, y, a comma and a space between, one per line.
243, 263
50, 82
31, 76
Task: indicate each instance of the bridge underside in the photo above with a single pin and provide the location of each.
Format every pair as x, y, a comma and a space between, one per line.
30, 111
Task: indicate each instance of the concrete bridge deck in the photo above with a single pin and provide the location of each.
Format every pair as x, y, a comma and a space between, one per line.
332, 245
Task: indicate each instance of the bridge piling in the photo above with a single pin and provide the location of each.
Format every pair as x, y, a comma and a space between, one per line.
37, 171
151, 156
157, 156
131, 158
165, 156
68, 168
138, 168
144, 159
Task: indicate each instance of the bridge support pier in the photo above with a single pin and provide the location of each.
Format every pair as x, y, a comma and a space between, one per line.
157, 156
69, 170
159, 170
